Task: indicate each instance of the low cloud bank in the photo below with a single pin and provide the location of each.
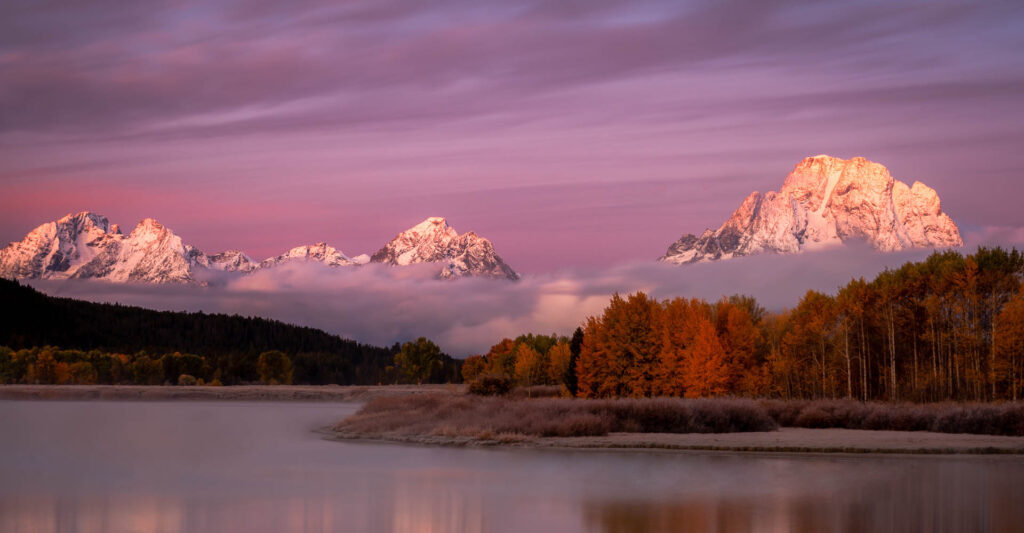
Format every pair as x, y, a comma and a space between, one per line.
380, 305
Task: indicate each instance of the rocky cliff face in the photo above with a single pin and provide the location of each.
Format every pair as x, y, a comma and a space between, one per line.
434, 241
87, 246
824, 202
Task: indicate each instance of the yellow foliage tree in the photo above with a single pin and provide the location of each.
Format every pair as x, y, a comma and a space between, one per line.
530, 366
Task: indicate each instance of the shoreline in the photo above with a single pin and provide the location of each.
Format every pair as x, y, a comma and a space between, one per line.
787, 440
270, 393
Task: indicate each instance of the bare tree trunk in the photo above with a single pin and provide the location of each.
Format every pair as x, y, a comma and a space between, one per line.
849, 371
992, 348
892, 355
935, 360
915, 368
864, 361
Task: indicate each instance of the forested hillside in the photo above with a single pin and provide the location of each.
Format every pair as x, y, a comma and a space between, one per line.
230, 345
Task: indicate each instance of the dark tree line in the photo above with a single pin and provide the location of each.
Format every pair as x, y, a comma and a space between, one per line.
229, 344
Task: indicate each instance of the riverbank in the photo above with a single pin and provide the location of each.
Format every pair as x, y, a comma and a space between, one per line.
734, 425
274, 393
783, 440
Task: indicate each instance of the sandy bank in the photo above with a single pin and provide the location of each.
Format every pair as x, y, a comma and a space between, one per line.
785, 440
326, 393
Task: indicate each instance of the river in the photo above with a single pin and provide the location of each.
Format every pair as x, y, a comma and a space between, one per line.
171, 467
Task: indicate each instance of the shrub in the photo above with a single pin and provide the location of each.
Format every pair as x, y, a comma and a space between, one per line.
187, 380
491, 385
987, 419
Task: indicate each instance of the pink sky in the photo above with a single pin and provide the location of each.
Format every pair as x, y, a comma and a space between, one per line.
571, 135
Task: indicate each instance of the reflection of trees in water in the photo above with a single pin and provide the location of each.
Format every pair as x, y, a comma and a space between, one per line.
927, 496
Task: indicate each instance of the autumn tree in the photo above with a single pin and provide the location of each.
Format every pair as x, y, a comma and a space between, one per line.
806, 347
620, 349
704, 368
274, 367
680, 324
501, 358
82, 373
472, 367
1009, 358
531, 366
559, 363
417, 360
737, 331
44, 369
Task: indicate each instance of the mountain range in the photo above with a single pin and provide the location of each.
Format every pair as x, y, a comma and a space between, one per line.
826, 201
87, 246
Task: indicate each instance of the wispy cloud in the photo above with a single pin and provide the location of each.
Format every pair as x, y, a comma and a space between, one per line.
263, 125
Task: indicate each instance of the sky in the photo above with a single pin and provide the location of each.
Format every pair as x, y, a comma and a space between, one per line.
575, 134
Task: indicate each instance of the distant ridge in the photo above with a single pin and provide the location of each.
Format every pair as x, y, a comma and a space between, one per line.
87, 246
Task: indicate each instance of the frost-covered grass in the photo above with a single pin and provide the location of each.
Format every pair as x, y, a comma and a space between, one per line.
488, 417
978, 418
511, 418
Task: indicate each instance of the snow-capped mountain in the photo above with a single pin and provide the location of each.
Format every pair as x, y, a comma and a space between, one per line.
319, 252
87, 245
434, 241
824, 202
151, 252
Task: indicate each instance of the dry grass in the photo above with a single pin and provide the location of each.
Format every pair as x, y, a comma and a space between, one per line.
977, 418
512, 419
499, 418
539, 391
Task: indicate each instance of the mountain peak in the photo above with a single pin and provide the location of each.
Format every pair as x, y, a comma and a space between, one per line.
319, 252
149, 225
232, 261
434, 241
826, 201
432, 225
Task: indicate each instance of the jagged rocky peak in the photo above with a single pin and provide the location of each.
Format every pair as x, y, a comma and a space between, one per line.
232, 261
150, 253
824, 202
434, 241
86, 245
319, 252
55, 249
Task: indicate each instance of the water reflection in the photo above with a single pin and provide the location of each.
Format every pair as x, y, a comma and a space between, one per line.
190, 467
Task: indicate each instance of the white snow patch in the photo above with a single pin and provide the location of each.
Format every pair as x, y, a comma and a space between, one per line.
833, 179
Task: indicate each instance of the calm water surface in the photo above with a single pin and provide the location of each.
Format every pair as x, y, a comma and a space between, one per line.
258, 467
